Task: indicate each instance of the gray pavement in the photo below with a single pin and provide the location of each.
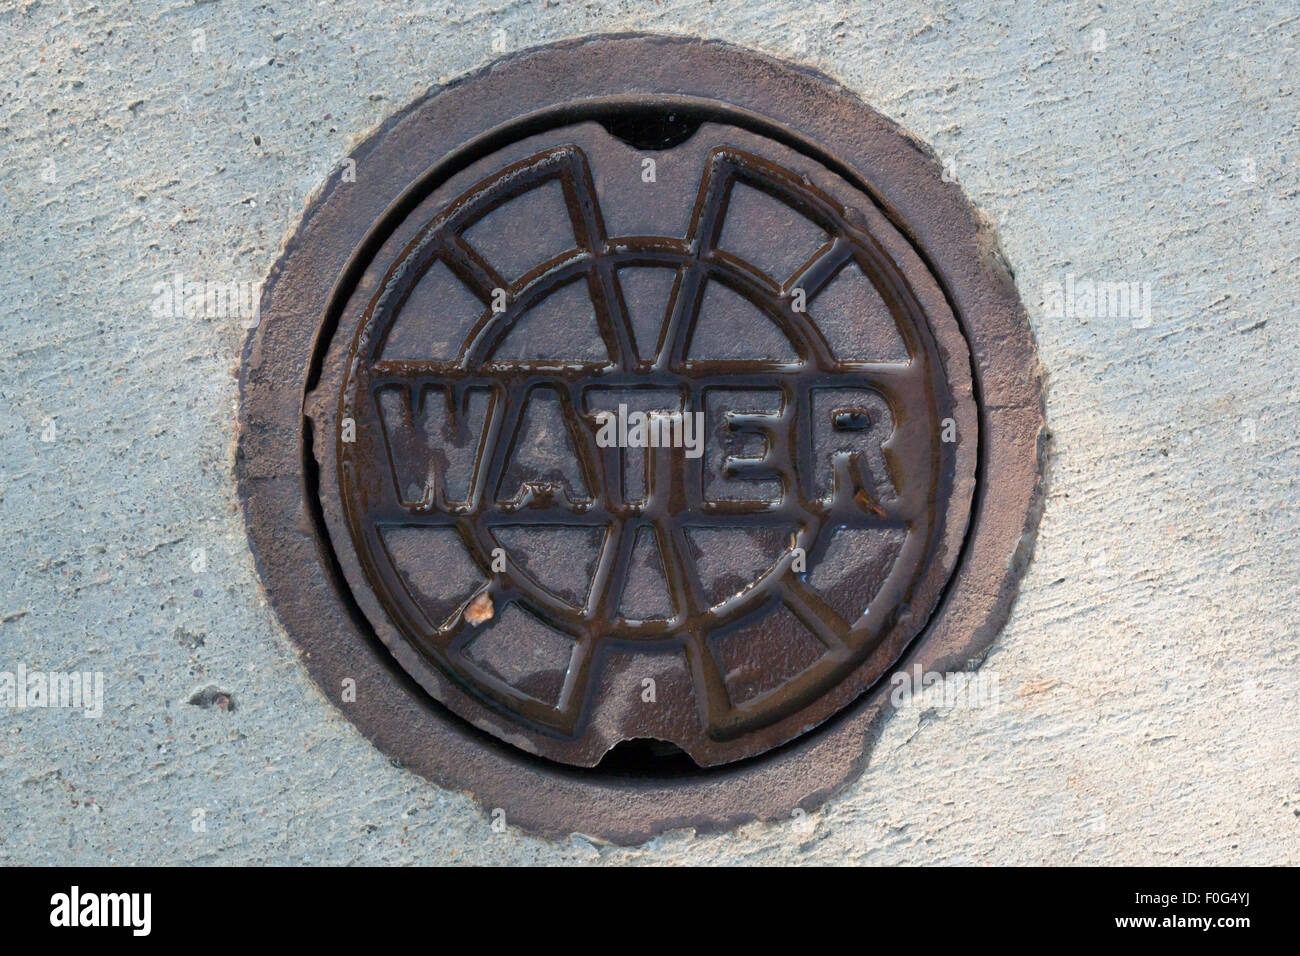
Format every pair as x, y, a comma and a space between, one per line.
1149, 674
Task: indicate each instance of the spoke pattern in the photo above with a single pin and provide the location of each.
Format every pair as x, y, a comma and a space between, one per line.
676, 500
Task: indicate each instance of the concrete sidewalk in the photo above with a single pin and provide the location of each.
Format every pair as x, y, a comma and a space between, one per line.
1149, 675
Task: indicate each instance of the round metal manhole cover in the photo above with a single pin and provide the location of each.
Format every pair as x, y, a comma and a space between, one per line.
621, 417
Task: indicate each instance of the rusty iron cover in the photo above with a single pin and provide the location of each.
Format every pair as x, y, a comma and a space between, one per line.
616, 437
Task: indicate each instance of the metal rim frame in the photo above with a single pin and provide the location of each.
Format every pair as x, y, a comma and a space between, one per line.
274, 460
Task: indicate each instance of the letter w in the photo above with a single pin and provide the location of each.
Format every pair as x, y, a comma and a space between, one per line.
434, 443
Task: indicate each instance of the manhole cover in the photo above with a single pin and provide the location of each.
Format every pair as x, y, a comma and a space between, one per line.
621, 417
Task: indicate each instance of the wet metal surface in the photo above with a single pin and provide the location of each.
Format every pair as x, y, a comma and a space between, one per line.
496, 446
639, 437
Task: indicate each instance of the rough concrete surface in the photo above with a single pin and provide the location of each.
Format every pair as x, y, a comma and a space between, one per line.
1148, 675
